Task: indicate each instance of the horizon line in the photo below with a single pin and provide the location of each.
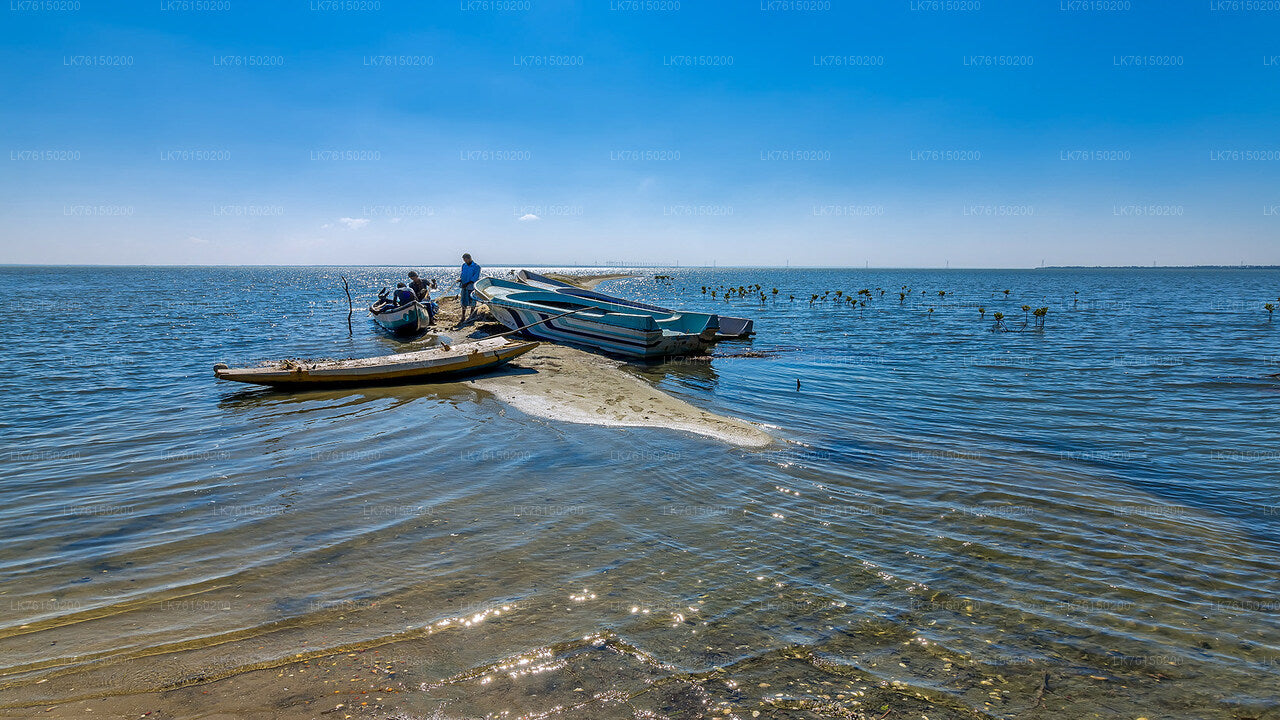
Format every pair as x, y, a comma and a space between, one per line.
1241, 266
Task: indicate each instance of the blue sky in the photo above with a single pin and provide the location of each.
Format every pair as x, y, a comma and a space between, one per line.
907, 133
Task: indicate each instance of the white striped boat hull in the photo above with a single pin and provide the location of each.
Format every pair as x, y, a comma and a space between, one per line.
611, 338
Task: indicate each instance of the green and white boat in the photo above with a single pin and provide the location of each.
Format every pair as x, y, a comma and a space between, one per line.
406, 320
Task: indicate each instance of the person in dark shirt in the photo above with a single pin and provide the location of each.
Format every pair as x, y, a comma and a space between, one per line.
418, 285
403, 295
422, 289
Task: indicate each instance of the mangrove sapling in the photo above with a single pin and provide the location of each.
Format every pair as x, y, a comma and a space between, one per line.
902, 297
1040, 313
1270, 309
1076, 300
999, 323
982, 313
1025, 310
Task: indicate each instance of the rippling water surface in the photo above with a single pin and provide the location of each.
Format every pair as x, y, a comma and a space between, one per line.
1075, 521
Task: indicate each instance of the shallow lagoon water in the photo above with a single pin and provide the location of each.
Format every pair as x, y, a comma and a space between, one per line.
1080, 520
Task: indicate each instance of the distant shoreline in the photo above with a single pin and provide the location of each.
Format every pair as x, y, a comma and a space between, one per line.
1158, 267
684, 267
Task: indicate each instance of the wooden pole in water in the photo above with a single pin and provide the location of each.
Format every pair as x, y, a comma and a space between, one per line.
350, 309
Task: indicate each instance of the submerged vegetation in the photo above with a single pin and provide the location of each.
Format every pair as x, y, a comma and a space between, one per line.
860, 299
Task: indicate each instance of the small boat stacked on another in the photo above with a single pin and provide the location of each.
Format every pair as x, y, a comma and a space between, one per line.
621, 329
405, 320
730, 327
434, 364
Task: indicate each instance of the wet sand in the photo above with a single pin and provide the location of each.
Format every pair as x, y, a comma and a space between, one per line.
597, 677
577, 386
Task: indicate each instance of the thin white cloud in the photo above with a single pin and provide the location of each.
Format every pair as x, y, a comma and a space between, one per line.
196, 241
395, 220
354, 223
528, 218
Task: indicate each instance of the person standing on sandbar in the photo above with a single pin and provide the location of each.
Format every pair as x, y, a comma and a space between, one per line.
467, 281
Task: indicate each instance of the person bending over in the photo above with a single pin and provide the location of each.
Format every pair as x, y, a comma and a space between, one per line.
422, 290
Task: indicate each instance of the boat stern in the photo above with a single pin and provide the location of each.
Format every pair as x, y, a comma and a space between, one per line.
711, 330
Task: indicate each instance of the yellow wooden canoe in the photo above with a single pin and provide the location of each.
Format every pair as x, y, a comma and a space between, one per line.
443, 362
